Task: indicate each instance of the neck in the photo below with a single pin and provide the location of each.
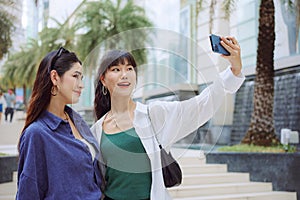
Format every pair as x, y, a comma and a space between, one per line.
121, 115
57, 108
122, 105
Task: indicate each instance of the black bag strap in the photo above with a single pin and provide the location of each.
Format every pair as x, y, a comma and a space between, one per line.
148, 113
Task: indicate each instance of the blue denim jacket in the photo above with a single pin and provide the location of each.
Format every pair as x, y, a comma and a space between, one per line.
55, 165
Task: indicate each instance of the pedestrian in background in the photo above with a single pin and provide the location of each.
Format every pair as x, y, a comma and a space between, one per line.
10, 99
58, 153
2, 102
128, 132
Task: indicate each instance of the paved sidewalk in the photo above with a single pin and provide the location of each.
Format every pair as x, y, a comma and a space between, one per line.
8, 191
10, 133
9, 137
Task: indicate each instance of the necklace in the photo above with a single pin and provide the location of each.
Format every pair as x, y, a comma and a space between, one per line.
67, 116
114, 120
125, 120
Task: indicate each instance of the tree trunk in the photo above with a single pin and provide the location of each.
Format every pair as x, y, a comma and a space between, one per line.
261, 131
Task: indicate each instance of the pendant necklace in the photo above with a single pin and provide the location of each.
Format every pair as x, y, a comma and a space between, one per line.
67, 116
114, 120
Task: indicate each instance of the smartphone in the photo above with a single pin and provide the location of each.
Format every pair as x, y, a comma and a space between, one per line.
216, 45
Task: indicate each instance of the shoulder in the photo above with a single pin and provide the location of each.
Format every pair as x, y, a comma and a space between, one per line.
36, 131
33, 138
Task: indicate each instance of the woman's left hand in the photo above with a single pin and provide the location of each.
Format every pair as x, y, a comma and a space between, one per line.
231, 45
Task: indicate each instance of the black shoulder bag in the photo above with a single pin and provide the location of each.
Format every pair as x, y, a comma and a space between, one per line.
171, 170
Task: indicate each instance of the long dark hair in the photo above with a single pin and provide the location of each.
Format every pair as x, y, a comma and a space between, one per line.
102, 102
41, 92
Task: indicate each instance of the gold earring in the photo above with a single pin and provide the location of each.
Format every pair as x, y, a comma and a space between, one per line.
104, 90
54, 90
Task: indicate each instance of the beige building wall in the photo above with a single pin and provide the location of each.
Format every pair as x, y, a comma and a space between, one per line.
209, 63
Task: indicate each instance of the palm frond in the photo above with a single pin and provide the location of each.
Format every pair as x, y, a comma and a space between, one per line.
102, 20
228, 7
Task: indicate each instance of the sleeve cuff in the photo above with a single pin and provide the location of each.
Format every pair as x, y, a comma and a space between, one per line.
231, 82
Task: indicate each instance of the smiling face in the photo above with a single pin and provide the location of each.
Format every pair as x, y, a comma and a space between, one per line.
120, 79
69, 84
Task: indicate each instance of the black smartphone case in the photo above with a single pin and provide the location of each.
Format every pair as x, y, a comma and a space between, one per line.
216, 45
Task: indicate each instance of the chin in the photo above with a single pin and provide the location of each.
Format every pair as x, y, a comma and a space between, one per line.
124, 94
74, 100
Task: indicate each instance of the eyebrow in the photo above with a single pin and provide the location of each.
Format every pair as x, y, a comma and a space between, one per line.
77, 72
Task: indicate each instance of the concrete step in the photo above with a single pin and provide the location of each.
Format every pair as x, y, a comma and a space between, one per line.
220, 189
203, 168
204, 179
8, 190
191, 160
249, 196
188, 156
201, 182
8, 197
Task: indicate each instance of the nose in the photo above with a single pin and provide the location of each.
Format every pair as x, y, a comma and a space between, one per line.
80, 84
124, 75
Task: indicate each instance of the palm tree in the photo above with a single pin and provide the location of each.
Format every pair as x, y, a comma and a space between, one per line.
104, 19
20, 68
6, 27
261, 131
227, 5
9, 74
52, 38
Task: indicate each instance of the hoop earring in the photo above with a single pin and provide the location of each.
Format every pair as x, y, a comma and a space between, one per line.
104, 90
54, 90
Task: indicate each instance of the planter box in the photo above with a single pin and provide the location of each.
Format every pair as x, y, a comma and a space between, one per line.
282, 169
8, 164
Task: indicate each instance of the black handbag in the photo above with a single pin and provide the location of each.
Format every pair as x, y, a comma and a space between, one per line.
171, 170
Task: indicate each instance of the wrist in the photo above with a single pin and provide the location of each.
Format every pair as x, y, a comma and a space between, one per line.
236, 71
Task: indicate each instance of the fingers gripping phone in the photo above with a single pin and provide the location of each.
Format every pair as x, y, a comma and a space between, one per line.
216, 45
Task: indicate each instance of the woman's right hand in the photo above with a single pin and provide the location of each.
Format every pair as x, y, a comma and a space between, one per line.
232, 45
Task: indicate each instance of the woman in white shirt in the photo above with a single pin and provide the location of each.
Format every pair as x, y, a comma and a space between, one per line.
130, 158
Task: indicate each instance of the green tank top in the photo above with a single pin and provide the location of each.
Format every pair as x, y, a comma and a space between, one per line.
128, 172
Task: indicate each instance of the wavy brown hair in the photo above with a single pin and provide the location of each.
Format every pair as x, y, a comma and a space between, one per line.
41, 92
102, 102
